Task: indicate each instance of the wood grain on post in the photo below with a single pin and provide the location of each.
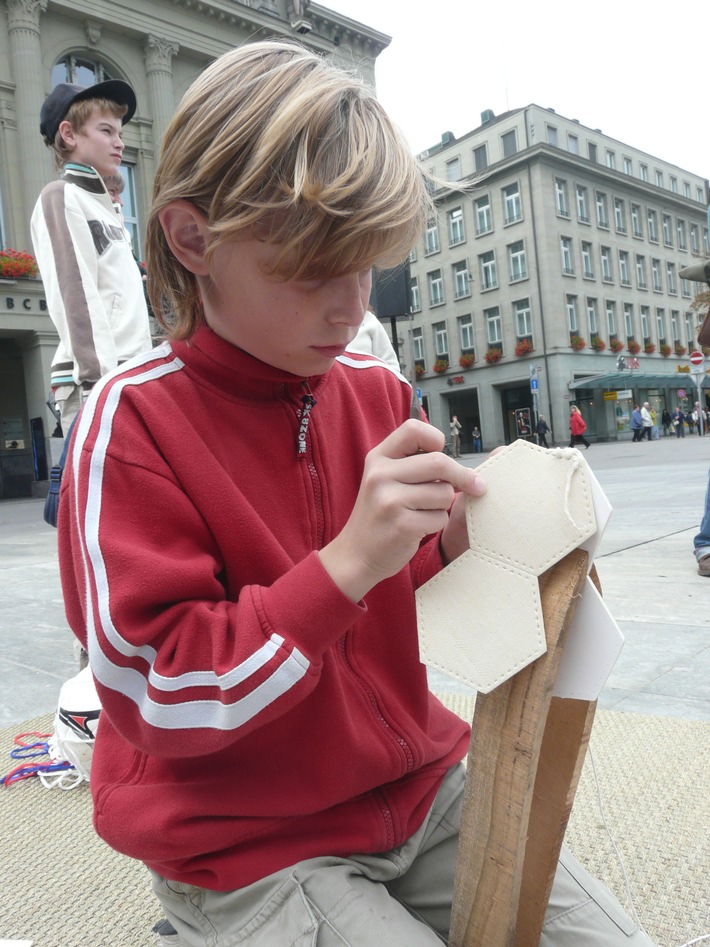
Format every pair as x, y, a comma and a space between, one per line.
520, 786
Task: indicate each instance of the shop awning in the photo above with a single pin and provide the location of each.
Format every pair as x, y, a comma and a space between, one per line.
618, 381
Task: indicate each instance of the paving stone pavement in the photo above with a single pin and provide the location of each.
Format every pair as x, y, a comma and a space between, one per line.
645, 562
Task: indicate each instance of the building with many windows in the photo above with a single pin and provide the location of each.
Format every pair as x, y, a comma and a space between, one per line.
555, 252
159, 48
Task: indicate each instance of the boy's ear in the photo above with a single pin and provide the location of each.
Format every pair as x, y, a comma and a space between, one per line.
66, 129
185, 229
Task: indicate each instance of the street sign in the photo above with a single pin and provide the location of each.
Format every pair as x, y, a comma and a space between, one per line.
534, 384
696, 358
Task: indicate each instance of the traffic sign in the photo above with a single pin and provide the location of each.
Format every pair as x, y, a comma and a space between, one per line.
534, 384
696, 358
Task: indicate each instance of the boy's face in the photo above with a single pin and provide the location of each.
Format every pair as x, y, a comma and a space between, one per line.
300, 326
98, 143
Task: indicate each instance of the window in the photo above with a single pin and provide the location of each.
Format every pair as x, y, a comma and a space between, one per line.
566, 251
80, 70
694, 238
656, 276
571, 307
611, 318
509, 143
686, 189
670, 277
610, 159
641, 271
685, 288
484, 220
667, 230
674, 184
572, 144
436, 288
587, 266
517, 265
523, 318
624, 277
456, 229
602, 218
412, 255
462, 280
453, 169
699, 196
706, 241
645, 322
494, 327
629, 320
592, 151
592, 316
682, 243
636, 228
489, 275
582, 206
441, 340
417, 345
512, 208
675, 327
659, 178
619, 215
130, 206
561, 198
661, 324
465, 324
607, 275
431, 239
415, 300
628, 166
551, 135
643, 172
480, 157
652, 218
689, 331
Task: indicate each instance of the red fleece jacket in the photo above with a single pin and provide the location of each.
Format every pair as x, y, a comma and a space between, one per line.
252, 715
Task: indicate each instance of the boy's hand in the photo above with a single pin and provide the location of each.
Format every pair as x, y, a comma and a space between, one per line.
407, 488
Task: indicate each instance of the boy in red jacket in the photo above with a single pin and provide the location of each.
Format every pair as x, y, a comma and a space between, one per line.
247, 513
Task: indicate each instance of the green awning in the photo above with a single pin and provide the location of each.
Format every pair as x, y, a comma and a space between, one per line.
618, 381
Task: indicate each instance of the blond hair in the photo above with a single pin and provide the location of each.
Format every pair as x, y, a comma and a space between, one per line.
78, 114
275, 142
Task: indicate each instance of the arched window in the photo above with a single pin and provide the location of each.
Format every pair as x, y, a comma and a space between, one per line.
74, 67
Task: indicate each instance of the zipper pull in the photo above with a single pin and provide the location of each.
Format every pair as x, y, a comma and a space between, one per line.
309, 402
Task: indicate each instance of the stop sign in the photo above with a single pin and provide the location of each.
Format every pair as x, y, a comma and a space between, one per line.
696, 358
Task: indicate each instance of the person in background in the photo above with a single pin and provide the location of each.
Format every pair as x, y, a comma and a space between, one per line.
372, 339
636, 424
666, 422
577, 426
94, 290
542, 430
678, 421
647, 421
455, 428
477, 441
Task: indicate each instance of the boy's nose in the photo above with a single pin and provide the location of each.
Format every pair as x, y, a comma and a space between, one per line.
351, 294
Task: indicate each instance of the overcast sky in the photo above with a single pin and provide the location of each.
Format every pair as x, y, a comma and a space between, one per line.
638, 72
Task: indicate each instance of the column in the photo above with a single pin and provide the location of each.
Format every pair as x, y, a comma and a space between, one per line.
27, 73
158, 66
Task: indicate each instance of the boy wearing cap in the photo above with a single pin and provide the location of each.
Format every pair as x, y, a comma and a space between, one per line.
93, 286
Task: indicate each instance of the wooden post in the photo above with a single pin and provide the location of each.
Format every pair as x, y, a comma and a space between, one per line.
524, 763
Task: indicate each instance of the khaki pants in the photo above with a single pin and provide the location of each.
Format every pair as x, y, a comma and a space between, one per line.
401, 898
69, 399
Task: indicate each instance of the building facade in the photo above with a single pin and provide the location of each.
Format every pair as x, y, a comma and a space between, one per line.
159, 47
558, 254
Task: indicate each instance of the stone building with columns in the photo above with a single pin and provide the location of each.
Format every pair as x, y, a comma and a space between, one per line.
159, 47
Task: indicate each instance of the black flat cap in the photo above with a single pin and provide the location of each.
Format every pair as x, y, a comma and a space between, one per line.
62, 96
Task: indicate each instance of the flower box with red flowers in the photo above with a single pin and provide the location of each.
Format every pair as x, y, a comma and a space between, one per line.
16, 264
577, 343
493, 355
